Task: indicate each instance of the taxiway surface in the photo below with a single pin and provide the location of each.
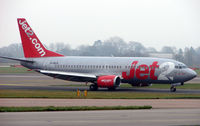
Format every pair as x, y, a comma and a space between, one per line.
167, 112
153, 117
35, 81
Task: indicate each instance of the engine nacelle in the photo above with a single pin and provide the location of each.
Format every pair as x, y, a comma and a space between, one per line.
108, 81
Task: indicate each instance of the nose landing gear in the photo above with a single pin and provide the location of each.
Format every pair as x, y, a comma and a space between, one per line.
173, 89
173, 86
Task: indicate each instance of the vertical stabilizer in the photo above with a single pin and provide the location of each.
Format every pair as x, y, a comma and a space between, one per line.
32, 46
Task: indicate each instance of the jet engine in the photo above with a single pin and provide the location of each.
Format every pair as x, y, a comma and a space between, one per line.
109, 81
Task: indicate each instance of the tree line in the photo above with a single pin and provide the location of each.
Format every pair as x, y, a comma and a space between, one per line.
113, 47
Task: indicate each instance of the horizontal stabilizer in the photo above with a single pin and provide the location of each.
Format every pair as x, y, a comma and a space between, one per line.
17, 59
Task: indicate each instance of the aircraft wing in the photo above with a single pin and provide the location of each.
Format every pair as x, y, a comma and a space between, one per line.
71, 76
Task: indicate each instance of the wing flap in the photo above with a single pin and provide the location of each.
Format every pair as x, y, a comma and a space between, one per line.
72, 76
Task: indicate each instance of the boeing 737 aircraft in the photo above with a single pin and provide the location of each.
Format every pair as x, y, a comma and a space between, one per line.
104, 72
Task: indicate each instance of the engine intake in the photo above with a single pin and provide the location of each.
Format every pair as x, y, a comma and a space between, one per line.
108, 81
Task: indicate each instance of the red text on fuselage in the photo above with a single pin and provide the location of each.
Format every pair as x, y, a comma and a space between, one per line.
142, 72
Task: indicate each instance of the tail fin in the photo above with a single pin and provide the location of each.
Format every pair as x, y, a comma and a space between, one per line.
31, 44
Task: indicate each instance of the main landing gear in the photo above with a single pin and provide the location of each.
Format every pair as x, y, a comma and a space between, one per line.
93, 87
112, 88
173, 89
173, 86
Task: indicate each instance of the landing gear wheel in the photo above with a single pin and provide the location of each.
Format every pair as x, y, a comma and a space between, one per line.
93, 87
173, 89
111, 88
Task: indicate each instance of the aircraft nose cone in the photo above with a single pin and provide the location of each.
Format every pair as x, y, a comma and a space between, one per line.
192, 73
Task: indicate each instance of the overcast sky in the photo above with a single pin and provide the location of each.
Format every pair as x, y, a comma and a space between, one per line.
154, 23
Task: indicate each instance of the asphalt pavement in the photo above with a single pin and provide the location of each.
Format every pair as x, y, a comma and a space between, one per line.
153, 117
35, 81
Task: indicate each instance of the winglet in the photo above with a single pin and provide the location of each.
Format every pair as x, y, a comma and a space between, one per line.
32, 46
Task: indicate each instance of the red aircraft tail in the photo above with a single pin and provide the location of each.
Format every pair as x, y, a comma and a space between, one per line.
32, 46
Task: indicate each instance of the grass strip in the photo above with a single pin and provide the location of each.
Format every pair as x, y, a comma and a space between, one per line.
70, 108
93, 95
16, 70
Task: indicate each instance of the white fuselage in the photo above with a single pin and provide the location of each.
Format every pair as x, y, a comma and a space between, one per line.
168, 70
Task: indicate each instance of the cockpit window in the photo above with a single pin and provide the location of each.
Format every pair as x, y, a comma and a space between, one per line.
180, 66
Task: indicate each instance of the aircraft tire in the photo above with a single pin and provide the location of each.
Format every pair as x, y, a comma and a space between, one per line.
93, 87
173, 89
111, 88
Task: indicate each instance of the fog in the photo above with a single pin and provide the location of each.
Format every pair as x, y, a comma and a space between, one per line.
112, 47
153, 23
